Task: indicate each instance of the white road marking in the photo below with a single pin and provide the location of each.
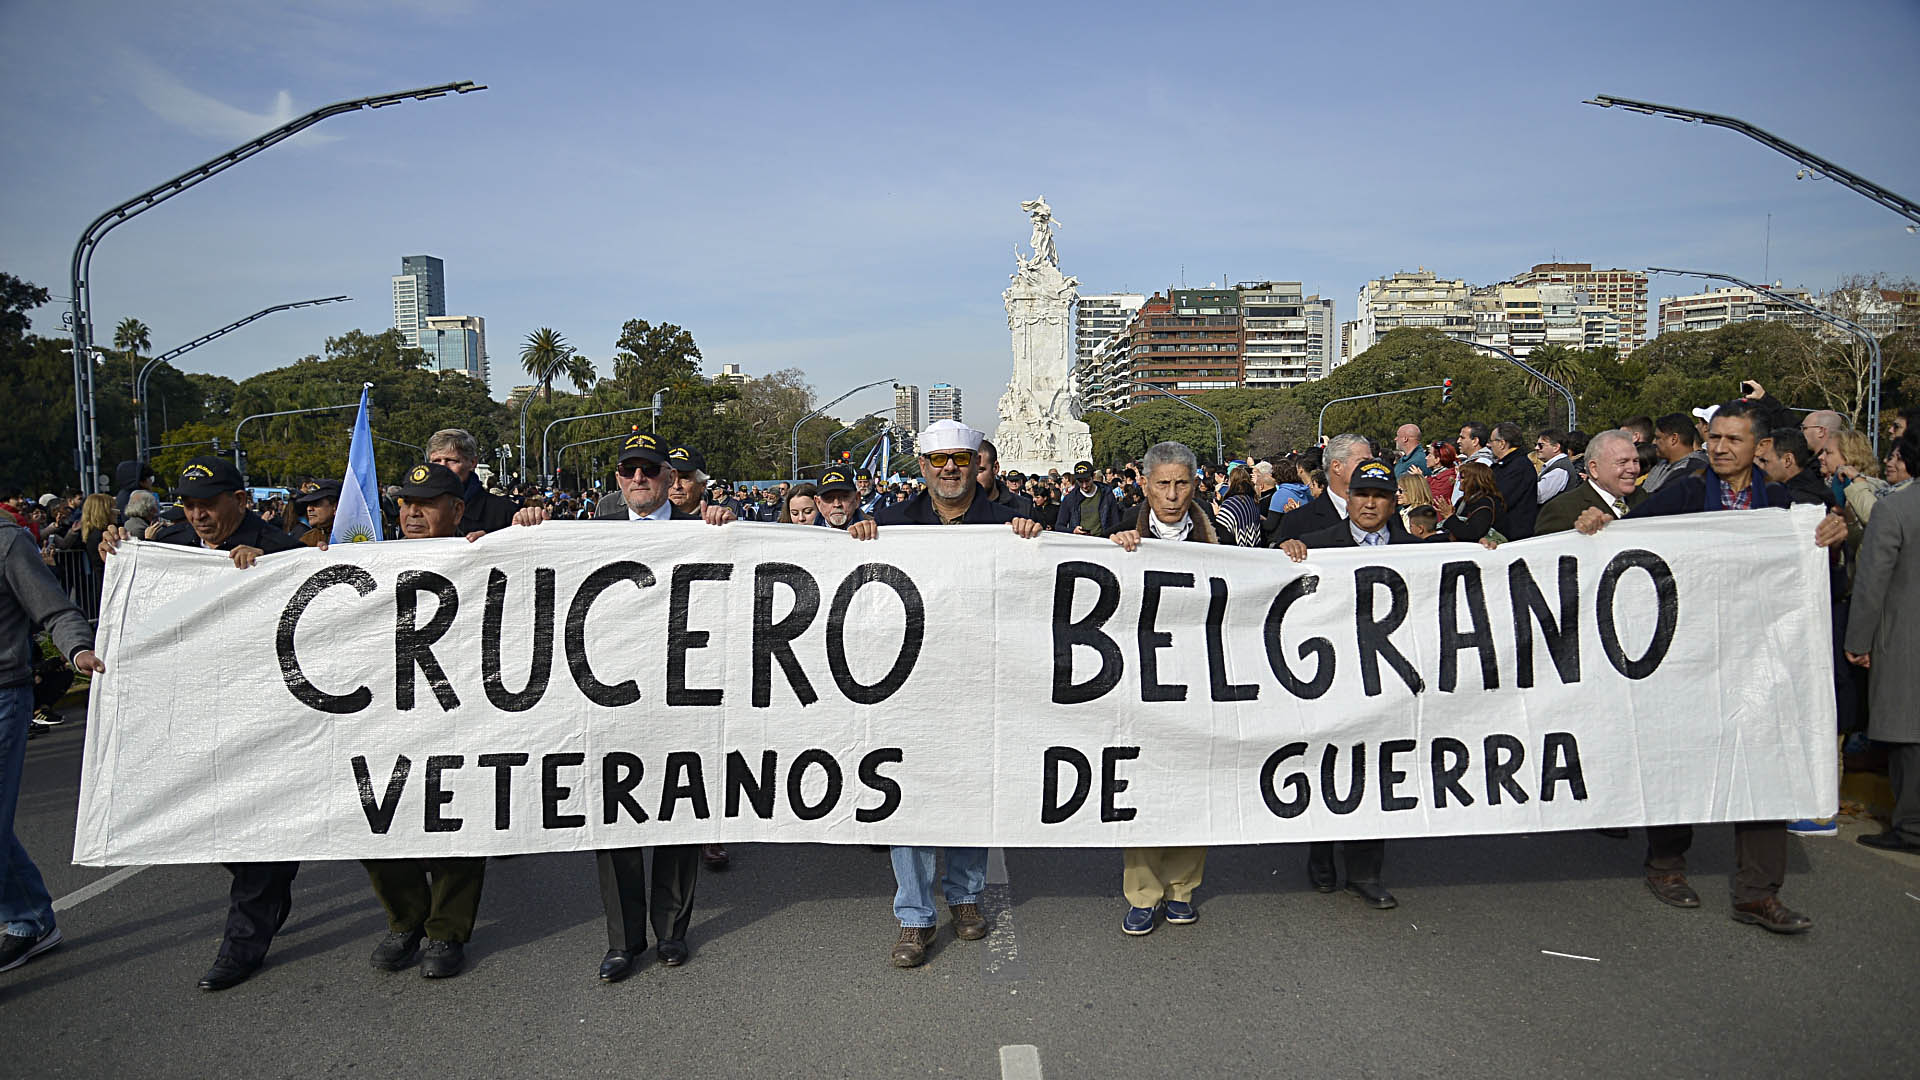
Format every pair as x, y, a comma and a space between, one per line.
1570, 956
87, 892
1020, 1062
996, 866
1910, 896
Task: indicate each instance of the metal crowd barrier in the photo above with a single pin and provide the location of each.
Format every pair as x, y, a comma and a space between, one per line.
76, 572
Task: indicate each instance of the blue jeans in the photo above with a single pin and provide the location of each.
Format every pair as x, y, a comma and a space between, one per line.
913, 872
24, 904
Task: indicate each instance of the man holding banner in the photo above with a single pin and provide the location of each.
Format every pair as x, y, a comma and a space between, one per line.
212, 493
435, 899
1731, 482
1157, 877
948, 451
645, 476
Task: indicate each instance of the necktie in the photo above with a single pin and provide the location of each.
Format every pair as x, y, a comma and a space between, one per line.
1619, 508
1375, 539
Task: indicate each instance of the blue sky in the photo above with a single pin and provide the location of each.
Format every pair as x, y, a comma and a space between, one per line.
836, 187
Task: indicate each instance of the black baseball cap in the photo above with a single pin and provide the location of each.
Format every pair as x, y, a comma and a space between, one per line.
430, 482
1373, 475
207, 477
1083, 468
314, 491
863, 474
643, 446
686, 459
836, 479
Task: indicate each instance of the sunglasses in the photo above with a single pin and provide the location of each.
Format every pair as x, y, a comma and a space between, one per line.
939, 459
648, 469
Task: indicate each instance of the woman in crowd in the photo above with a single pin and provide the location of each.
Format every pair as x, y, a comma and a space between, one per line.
798, 509
143, 511
1238, 515
1847, 463
1480, 512
1316, 482
1445, 478
1903, 463
1289, 492
1414, 491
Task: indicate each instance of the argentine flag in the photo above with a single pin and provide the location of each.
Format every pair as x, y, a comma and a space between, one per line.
878, 457
358, 517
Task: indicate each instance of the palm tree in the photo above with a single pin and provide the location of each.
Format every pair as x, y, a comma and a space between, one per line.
544, 355
131, 337
578, 370
1561, 364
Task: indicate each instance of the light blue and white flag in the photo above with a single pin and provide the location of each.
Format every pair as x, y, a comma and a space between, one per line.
876, 462
357, 518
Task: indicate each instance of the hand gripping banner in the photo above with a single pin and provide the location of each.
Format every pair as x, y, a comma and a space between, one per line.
581, 685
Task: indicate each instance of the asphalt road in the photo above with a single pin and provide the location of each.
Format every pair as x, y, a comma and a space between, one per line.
789, 975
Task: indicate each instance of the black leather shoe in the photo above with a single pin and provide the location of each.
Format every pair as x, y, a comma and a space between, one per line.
442, 959
1322, 874
225, 974
617, 965
396, 950
673, 953
1888, 841
1771, 914
1375, 895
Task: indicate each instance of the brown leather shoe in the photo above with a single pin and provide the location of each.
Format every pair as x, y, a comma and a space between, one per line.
1771, 914
968, 923
715, 857
911, 949
1673, 889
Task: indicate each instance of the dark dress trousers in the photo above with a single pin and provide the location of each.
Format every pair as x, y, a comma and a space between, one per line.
623, 871
1365, 858
262, 892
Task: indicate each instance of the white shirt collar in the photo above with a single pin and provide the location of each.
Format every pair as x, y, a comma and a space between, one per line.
660, 513
1607, 499
1339, 502
1360, 535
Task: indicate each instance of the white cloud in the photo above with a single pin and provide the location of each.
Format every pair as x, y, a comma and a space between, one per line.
202, 114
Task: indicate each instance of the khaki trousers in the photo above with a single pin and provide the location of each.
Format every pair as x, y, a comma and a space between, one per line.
1153, 874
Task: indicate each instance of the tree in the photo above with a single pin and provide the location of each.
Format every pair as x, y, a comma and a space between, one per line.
544, 355
1834, 367
648, 357
1286, 428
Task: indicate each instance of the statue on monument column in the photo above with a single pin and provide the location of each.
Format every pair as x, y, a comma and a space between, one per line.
1042, 242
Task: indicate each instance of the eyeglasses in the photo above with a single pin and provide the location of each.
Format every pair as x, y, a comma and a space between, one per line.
939, 458
648, 469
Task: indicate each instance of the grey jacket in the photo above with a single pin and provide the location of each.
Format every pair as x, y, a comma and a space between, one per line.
1884, 622
29, 595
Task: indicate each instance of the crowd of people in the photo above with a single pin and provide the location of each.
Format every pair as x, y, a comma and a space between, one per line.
1486, 484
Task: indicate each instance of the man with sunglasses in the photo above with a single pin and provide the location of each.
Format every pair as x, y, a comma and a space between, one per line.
644, 476
949, 454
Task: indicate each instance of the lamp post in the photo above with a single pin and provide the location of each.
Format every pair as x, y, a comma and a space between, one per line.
546, 467
1320, 426
1901, 205
86, 437
821, 409
282, 412
1861, 332
140, 381
1219, 443
1533, 371
659, 402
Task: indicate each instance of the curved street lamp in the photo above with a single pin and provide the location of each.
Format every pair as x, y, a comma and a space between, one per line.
1219, 443
824, 408
86, 432
1531, 370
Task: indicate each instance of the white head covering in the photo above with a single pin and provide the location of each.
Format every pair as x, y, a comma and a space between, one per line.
1705, 413
949, 435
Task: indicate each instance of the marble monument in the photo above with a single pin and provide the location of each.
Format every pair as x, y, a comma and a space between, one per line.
1038, 429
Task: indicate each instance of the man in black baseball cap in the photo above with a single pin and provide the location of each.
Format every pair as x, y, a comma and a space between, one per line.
688, 492
436, 900
218, 518
1372, 520
1088, 508
315, 504
837, 500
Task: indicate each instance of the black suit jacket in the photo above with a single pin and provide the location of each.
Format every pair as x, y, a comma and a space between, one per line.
618, 512
1316, 516
1565, 508
1340, 535
487, 512
1519, 489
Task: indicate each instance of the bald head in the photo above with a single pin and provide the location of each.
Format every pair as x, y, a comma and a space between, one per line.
1821, 428
1408, 437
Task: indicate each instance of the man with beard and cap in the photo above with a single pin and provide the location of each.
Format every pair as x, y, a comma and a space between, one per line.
217, 518
948, 453
873, 497
837, 500
436, 899
1371, 521
1088, 508
486, 512
314, 505
644, 477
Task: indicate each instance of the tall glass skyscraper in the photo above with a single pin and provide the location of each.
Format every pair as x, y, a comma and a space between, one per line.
419, 291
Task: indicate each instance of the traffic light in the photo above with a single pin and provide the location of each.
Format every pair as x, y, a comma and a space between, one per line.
1446, 391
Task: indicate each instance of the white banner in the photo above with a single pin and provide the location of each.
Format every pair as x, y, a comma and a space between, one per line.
583, 685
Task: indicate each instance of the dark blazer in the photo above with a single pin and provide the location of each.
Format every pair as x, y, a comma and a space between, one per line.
1565, 508
1316, 516
1698, 492
1340, 535
618, 512
1068, 517
485, 512
1519, 487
